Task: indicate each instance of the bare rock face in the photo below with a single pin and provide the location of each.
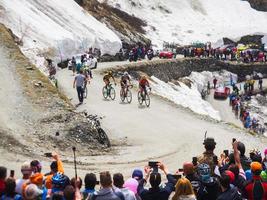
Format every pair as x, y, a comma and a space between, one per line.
260, 5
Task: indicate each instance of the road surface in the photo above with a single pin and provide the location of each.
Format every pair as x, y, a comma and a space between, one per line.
161, 132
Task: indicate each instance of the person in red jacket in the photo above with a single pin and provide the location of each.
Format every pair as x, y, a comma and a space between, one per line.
256, 188
3, 175
215, 82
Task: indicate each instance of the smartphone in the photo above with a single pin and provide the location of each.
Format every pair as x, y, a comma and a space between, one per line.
194, 161
49, 155
12, 173
177, 176
226, 152
234, 140
153, 165
180, 170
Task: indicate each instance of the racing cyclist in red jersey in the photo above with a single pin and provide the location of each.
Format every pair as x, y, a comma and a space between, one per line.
143, 83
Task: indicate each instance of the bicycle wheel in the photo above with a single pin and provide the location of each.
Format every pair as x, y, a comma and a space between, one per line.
105, 92
103, 138
122, 95
140, 99
85, 92
112, 93
147, 100
129, 96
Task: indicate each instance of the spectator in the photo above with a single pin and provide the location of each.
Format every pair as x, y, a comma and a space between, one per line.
118, 182
107, 192
239, 180
32, 192
184, 190
10, 193
228, 193
90, 183
69, 193
191, 176
59, 183
132, 185
209, 188
137, 174
215, 82
245, 161
3, 175
26, 171
156, 192
56, 166
208, 155
256, 188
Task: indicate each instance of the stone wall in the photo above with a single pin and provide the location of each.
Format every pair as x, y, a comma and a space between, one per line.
168, 70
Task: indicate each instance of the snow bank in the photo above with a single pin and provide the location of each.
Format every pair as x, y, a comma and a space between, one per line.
56, 26
185, 21
191, 98
185, 96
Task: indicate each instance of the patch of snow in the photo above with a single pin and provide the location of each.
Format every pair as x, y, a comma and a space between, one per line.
60, 28
183, 95
185, 21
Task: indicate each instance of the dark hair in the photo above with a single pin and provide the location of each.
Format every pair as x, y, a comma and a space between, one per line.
255, 157
155, 179
54, 167
10, 187
231, 158
256, 173
57, 196
118, 180
225, 181
90, 181
209, 147
69, 192
72, 182
3, 172
235, 169
36, 166
105, 179
242, 149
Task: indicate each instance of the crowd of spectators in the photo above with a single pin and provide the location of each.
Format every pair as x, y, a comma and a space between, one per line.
230, 176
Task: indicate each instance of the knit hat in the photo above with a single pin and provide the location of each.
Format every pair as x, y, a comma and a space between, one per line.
32, 192
231, 175
137, 174
255, 166
26, 168
131, 184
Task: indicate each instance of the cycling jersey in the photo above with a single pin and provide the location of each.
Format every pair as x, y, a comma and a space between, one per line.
143, 82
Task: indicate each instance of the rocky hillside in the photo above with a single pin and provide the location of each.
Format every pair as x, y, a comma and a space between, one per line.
129, 28
260, 5
32, 110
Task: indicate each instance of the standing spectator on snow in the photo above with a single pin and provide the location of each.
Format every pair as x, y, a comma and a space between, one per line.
208, 155
156, 192
118, 182
26, 171
3, 175
215, 82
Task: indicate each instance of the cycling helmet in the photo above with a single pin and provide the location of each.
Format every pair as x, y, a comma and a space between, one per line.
60, 180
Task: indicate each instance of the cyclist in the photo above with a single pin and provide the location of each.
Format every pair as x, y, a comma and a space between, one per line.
125, 81
107, 77
143, 83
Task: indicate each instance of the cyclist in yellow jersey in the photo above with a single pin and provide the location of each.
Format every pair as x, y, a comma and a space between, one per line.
107, 78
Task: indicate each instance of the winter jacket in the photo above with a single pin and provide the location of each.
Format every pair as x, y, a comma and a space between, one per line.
256, 189
195, 182
230, 194
240, 183
187, 197
208, 191
108, 194
2, 187
156, 193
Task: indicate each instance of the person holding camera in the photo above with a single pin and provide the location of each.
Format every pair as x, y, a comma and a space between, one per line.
156, 192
